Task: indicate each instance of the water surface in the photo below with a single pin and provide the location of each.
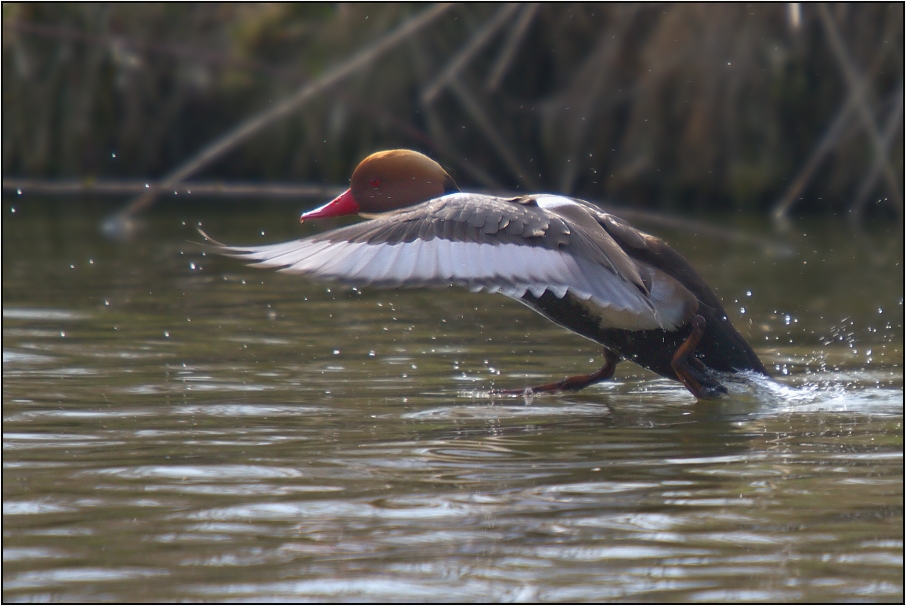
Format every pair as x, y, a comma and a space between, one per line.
181, 427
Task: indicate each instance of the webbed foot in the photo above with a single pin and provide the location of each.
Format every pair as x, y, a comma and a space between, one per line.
690, 370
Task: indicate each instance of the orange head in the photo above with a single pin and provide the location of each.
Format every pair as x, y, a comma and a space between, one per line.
386, 181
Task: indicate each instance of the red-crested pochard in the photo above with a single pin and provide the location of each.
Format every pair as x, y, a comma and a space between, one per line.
582, 268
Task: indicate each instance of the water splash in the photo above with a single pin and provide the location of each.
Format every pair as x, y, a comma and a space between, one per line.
824, 392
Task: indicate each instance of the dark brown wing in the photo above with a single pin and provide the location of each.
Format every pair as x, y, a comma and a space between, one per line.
722, 346
655, 252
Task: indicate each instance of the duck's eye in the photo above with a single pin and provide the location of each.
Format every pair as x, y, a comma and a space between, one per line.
375, 182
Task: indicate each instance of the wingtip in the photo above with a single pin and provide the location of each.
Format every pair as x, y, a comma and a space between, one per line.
208, 239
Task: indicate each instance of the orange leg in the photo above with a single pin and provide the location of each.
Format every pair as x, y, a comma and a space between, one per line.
690, 370
571, 383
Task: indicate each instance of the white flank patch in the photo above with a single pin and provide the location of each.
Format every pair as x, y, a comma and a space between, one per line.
550, 201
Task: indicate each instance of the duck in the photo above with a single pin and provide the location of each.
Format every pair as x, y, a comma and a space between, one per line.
584, 269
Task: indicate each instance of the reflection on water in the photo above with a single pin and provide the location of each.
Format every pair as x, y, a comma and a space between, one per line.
243, 435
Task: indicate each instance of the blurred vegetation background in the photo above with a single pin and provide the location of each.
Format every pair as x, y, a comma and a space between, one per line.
754, 108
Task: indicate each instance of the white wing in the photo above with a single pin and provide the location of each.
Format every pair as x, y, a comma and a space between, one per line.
509, 269
376, 253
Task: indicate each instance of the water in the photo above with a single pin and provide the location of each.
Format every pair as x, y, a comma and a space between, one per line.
181, 427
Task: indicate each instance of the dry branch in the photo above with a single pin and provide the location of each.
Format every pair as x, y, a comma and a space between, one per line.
118, 224
511, 45
871, 179
828, 142
478, 115
476, 43
855, 85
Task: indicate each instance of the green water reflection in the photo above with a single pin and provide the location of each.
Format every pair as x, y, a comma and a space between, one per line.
177, 426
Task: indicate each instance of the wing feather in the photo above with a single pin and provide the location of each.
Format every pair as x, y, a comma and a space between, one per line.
481, 243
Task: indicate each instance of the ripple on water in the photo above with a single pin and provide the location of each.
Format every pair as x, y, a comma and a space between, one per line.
597, 488
54, 373
22, 313
375, 588
28, 441
199, 384
51, 414
195, 473
557, 408
20, 554
13, 357
250, 410
329, 511
65, 576
242, 490
32, 507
